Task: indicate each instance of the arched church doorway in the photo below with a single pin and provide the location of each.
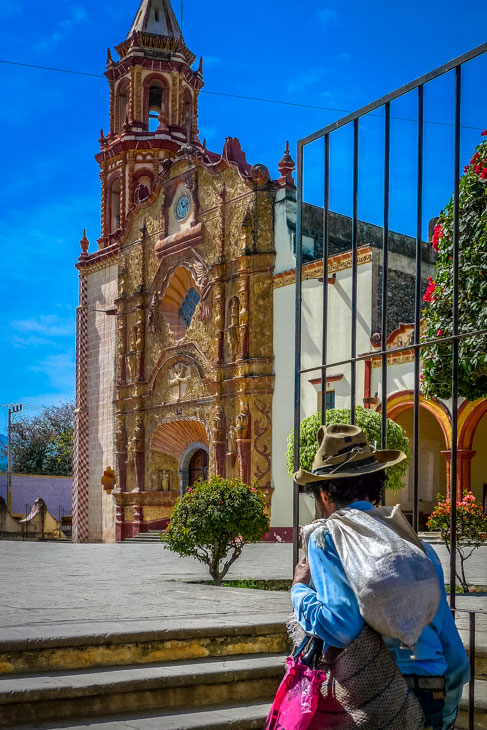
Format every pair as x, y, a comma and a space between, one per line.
198, 466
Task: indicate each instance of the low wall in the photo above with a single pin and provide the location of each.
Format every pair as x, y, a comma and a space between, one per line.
26, 488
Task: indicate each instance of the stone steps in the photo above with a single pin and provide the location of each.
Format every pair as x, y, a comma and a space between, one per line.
249, 716
80, 695
62, 648
150, 536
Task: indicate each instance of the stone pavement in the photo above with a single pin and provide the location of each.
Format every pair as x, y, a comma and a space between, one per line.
56, 589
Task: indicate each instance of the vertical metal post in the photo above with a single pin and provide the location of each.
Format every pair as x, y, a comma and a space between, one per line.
297, 349
471, 684
417, 309
385, 269
326, 211
353, 343
454, 399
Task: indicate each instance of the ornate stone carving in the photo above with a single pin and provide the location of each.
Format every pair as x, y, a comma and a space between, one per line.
233, 330
138, 448
262, 439
218, 440
242, 428
179, 376
121, 446
153, 317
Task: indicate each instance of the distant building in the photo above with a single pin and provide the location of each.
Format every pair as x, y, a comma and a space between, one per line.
185, 324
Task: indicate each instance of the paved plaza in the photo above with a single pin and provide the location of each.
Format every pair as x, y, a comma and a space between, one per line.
56, 589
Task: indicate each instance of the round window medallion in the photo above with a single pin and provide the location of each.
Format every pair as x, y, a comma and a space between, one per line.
182, 207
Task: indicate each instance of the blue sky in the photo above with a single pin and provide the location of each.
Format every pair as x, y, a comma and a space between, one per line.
333, 54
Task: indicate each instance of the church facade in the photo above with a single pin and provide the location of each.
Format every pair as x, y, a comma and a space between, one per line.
185, 323
175, 371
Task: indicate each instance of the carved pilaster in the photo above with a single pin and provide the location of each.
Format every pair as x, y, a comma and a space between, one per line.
121, 445
123, 192
104, 217
139, 112
140, 342
223, 200
244, 298
174, 97
112, 106
243, 440
81, 463
132, 96
218, 441
130, 181
219, 304
121, 342
138, 442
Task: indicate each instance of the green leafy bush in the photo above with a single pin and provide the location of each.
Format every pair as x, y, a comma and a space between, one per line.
472, 290
369, 421
213, 522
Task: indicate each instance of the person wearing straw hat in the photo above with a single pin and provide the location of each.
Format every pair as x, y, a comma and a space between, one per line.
377, 681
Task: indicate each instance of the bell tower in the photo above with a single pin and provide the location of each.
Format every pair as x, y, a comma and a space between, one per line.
153, 112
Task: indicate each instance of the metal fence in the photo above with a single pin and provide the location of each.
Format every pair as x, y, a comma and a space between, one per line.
383, 105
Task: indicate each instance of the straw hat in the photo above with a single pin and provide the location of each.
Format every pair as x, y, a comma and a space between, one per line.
344, 452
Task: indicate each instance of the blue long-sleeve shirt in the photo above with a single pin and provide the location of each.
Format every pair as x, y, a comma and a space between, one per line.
329, 609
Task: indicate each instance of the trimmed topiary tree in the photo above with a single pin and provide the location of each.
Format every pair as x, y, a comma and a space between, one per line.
213, 522
369, 421
472, 290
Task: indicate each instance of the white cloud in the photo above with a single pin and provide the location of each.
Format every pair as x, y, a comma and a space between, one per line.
59, 368
46, 324
309, 78
328, 16
63, 29
30, 341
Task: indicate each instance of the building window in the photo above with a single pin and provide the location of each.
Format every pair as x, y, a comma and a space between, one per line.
156, 97
330, 399
188, 307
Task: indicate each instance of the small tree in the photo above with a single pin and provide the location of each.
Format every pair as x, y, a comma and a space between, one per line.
213, 522
43, 444
369, 421
471, 529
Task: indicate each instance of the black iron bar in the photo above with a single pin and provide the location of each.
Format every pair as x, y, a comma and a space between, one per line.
326, 210
353, 328
421, 81
397, 350
455, 348
297, 350
417, 309
471, 684
385, 268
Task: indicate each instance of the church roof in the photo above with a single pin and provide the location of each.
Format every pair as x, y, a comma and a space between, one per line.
156, 17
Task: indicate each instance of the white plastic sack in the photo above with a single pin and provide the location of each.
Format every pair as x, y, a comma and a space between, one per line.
395, 582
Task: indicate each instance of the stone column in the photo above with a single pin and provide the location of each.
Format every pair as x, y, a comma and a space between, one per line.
464, 472
244, 298
81, 464
121, 444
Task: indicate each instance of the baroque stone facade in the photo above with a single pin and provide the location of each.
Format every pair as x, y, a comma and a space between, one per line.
175, 354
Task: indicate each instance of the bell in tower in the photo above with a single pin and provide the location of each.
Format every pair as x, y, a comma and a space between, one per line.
153, 111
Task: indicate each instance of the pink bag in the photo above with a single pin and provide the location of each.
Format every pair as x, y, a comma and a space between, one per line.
297, 697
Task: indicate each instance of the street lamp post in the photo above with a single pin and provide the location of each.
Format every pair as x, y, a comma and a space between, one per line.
11, 410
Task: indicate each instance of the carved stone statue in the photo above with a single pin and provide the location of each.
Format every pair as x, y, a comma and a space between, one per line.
231, 445
179, 375
153, 322
165, 480
233, 330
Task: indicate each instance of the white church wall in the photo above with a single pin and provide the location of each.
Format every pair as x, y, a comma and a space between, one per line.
102, 292
283, 235
339, 349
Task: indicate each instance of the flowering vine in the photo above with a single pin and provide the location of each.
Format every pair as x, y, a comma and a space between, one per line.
472, 283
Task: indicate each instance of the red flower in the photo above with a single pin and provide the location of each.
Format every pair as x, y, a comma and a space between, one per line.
437, 234
483, 133
430, 291
478, 168
465, 169
474, 158
484, 173
439, 333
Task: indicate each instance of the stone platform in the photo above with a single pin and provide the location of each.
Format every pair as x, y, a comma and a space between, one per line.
123, 636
